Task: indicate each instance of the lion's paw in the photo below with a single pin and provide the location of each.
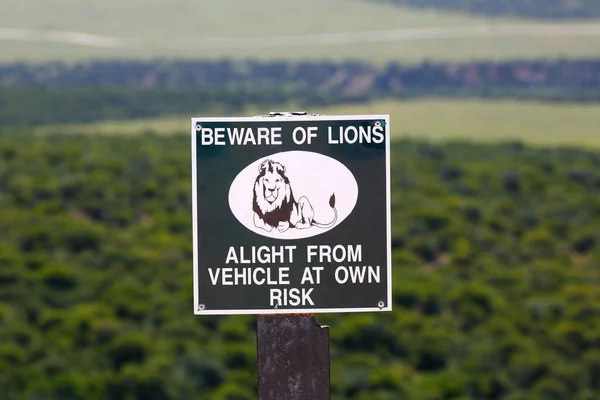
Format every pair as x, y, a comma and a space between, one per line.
267, 228
283, 226
302, 226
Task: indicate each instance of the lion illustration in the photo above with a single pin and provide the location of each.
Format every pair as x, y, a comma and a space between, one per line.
274, 204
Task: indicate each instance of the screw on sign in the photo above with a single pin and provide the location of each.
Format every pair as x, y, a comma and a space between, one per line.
291, 215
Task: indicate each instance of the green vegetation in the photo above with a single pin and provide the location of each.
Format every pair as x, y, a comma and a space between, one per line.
488, 121
435, 119
495, 249
259, 29
545, 9
54, 93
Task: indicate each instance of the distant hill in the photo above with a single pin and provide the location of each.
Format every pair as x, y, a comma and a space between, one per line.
376, 31
543, 9
56, 93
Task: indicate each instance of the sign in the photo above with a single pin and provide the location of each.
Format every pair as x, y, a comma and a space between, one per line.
291, 214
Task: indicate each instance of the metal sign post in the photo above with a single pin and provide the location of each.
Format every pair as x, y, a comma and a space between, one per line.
293, 358
291, 215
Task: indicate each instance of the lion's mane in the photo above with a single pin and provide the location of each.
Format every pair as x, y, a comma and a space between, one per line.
281, 209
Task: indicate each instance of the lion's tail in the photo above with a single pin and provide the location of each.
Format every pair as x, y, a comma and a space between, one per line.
330, 224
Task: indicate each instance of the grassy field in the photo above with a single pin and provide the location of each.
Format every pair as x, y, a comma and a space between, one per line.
258, 28
533, 123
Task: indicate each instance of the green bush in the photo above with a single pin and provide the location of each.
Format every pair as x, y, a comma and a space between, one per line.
495, 278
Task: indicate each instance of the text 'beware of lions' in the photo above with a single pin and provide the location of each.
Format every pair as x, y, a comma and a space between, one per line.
300, 135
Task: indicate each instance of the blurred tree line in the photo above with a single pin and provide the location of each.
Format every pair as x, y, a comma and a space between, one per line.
542, 9
342, 75
496, 267
58, 93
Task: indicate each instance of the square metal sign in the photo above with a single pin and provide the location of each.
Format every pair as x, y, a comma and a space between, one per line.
291, 214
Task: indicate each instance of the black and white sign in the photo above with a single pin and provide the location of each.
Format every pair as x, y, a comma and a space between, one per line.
291, 214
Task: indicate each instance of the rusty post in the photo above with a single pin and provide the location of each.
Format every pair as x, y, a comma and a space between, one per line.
293, 358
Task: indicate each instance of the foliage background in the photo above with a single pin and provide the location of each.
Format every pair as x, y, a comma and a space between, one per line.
542, 9
376, 31
495, 278
58, 93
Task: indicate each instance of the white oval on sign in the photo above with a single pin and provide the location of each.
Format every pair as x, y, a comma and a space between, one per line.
293, 195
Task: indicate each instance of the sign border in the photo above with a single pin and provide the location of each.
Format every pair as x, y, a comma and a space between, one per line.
291, 118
